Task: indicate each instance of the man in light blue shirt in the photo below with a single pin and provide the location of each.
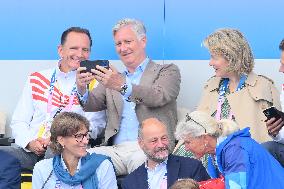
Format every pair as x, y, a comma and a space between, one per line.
145, 89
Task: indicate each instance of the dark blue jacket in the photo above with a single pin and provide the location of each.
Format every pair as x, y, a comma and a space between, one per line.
246, 164
177, 167
10, 171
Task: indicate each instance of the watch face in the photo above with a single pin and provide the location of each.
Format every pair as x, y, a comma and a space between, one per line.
123, 89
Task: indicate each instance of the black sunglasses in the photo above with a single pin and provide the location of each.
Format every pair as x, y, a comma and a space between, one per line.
79, 137
188, 118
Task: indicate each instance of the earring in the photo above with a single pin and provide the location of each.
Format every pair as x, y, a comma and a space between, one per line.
205, 145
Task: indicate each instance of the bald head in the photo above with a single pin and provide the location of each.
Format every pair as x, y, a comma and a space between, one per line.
151, 126
153, 140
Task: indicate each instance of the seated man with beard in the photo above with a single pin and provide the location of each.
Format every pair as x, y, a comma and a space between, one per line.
161, 168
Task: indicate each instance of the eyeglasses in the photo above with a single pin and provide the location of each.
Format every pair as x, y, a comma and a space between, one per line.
188, 118
79, 137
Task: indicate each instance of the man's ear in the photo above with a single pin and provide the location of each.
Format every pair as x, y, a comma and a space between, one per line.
59, 50
144, 41
141, 143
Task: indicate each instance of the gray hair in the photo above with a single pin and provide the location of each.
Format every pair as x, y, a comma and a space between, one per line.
66, 124
233, 46
136, 25
199, 123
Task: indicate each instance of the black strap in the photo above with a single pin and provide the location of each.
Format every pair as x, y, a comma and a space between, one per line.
47, 179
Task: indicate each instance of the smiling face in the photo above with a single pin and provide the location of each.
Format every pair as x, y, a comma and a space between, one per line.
220, 65
75, 49
76, 144
130, 49
196, 145
154, 141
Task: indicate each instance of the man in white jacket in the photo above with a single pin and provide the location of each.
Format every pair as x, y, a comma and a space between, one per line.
48, 92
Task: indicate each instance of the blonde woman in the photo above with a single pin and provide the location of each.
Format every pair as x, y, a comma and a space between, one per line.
235, 92
241, 160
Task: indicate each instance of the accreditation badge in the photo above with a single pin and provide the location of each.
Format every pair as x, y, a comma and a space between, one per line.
44, 130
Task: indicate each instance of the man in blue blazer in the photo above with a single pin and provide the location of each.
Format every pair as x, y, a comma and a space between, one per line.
10, 171
161, 169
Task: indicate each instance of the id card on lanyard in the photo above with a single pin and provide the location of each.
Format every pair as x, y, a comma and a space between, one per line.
222, 91
58, 185
45, 126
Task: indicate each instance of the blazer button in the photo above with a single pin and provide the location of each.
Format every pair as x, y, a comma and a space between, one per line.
115, 130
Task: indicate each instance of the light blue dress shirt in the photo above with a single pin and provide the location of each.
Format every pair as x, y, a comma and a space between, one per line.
157, 177
105, 174
128, 130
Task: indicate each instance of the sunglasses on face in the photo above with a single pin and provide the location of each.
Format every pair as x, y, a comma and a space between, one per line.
80, 136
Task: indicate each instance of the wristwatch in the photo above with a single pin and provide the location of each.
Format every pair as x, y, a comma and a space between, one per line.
123, 89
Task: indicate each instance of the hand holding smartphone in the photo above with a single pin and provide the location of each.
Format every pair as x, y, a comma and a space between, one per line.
273, 112
89, 64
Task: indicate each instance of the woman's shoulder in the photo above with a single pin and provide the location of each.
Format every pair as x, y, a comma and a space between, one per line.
212, 83
259, 80
44, 164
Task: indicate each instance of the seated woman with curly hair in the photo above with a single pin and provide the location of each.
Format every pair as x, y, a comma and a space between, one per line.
72, 166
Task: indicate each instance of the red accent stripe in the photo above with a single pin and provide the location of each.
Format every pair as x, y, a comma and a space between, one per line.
38, 82
38, 90
41, 77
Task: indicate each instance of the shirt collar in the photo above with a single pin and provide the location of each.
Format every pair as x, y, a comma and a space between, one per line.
59, 73
214, 82
65, 167
160, 165
220, 140
140, 68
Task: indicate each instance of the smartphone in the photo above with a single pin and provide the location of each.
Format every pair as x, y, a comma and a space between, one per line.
273, 112
91, 64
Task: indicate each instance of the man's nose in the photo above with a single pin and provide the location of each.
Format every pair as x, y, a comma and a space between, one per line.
211, 62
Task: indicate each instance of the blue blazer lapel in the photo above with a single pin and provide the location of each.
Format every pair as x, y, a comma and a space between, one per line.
173, 166
142, 178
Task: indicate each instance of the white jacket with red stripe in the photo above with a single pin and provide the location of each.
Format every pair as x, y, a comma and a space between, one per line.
31, 109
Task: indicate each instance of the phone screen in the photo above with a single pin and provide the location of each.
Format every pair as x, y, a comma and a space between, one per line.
91, 64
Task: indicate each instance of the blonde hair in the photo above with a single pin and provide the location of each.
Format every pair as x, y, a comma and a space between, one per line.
199, 123
185, 184
233, 46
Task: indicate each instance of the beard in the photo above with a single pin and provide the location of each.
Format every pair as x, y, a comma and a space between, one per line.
155, 156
